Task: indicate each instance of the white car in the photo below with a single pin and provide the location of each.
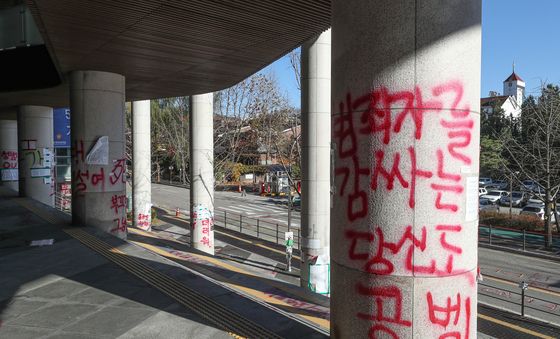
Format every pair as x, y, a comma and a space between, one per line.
536, 199
536, 211
482, 191
494, 196
484, 181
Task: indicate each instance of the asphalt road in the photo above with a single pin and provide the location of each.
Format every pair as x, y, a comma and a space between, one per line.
502, 271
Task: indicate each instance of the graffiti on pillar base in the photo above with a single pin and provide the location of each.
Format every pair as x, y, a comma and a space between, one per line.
143, 221
201, 217
119, 203
450, 313
416, 140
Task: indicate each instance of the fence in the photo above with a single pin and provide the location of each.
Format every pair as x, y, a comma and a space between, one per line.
262, 229
526, 240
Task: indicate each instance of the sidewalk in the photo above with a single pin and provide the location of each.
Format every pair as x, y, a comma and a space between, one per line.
89, 284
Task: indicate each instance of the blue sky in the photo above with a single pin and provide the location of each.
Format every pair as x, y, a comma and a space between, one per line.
524, 31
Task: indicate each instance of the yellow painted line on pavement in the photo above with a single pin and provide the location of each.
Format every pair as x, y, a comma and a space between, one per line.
256, 244
512, 283
514, 327
247, 290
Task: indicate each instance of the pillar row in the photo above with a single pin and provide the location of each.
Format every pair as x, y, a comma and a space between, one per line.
202, 172
9, 154
406, 86
141, 165
98, 150
316, 162
35, 151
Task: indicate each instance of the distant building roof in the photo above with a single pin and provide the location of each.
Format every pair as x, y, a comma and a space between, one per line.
499, 100
513, 77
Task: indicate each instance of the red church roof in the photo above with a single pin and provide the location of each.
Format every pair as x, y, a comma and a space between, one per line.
513, 77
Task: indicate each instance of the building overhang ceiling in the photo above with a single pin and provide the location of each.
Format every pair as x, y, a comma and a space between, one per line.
167, 48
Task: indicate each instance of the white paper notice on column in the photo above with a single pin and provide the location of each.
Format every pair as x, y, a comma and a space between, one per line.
471, 208
99, 154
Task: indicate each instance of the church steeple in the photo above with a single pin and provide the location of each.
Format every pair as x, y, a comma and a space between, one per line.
515, 86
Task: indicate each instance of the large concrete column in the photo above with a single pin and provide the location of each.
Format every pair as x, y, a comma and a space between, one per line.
316, 161
98, 150
9, 154
202, 172
35, 151
141, 165
406, 85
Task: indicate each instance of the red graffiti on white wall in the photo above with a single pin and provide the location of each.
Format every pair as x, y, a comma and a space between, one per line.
402, 157
98, 178
377, 116
388, 310
447, 316
143, 220
409, 246
9, 159
118, 206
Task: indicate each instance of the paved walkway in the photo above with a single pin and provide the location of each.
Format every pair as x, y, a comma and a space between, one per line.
92, 285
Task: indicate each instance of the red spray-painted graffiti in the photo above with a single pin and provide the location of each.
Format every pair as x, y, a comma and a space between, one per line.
9, 159
375, 110
95, 178
407, 158
118, 206
387, 252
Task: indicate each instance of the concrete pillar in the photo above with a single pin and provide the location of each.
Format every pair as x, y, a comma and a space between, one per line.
406, 91
202, 172
141, 165
9, 154
35, 133
98, 150
316, 161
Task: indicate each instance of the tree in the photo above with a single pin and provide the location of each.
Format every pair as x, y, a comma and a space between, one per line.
536, 153
170, 134
492, 163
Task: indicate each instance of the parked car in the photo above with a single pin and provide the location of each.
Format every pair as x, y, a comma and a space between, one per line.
532, 186
536, 211
495, 195
536, 199
518, 199
501, 184
487, 205
484, 181
482, 191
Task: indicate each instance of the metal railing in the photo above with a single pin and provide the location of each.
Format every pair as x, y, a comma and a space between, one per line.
63, 202
522, 298
523, 239
256, 227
